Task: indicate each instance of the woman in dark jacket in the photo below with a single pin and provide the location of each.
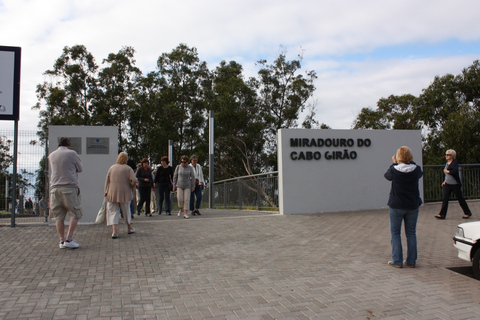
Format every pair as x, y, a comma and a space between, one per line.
452, 183
145, 184
403, 202
163, 183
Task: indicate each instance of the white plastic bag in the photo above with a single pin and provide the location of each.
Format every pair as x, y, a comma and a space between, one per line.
101, 215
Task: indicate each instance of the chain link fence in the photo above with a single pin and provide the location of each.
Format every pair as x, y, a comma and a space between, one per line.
29, 154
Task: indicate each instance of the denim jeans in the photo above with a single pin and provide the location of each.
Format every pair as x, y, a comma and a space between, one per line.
164, 194
397, 216
196, 195
132, 207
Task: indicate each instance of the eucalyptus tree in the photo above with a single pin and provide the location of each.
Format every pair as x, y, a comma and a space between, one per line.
187, 81
447, 112
142, 117
283, 94
394, 112
66, 97
6, 158
114, 94
239, 127
450, 108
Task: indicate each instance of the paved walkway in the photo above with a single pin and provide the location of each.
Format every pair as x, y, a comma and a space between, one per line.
237, 265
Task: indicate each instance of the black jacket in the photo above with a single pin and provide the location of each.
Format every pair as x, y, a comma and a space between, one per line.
404, 193
453, 168
164, 175
143, 174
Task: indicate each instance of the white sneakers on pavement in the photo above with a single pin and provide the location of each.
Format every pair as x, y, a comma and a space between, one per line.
69, 244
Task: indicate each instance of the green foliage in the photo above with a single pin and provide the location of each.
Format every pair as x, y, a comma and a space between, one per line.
283, 94
68, 94
114, 92
239, 128
172, 103
447, 112
40, 180
6, 159
394, 112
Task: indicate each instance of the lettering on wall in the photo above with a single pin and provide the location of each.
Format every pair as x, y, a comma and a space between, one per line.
337, 148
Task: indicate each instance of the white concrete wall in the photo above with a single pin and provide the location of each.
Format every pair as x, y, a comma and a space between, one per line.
331, 185
95, 166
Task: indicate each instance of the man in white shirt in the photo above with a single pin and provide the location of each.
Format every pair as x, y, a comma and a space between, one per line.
65, 198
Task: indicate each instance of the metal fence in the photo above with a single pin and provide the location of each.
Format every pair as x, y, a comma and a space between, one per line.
29, 155
433, 177
260, 192
255, 192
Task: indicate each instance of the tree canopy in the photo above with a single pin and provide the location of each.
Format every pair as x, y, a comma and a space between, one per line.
172, 103
447, 112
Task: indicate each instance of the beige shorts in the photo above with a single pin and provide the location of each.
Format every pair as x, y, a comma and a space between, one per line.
65, 200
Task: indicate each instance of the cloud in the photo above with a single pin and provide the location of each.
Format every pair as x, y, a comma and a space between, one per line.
361, 50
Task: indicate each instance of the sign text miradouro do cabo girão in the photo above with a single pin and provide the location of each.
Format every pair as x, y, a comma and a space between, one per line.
312, 148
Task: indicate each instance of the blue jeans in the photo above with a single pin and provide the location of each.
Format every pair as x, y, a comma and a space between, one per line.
397, 216
197, 193
132, 207
164, 194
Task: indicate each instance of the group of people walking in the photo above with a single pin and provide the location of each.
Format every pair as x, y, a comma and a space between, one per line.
121, 182
186, 180
405, 200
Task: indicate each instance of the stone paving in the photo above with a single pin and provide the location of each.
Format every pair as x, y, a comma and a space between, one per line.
230, 264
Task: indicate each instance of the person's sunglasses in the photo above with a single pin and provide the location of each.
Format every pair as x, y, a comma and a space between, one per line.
448, 155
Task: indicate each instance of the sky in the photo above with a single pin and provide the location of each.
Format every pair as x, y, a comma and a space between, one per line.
361, 51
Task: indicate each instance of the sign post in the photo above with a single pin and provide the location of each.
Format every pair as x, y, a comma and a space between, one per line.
10, 58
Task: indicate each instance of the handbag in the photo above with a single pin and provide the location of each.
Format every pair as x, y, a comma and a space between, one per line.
101, 216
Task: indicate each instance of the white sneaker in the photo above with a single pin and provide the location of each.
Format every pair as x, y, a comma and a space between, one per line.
71, 244
179, 213
186, 216
61, 245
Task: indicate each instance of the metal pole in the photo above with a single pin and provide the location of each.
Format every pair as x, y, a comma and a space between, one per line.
14, 179
170, 151
46, 197
6, 193
170, 159
210, 160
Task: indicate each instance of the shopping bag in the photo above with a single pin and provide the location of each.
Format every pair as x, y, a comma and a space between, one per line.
101, 215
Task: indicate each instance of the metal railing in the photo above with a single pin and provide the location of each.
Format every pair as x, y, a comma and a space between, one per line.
433, 177
255, 192
260, 192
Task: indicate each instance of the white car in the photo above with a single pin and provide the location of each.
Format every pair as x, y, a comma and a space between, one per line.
467, 242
